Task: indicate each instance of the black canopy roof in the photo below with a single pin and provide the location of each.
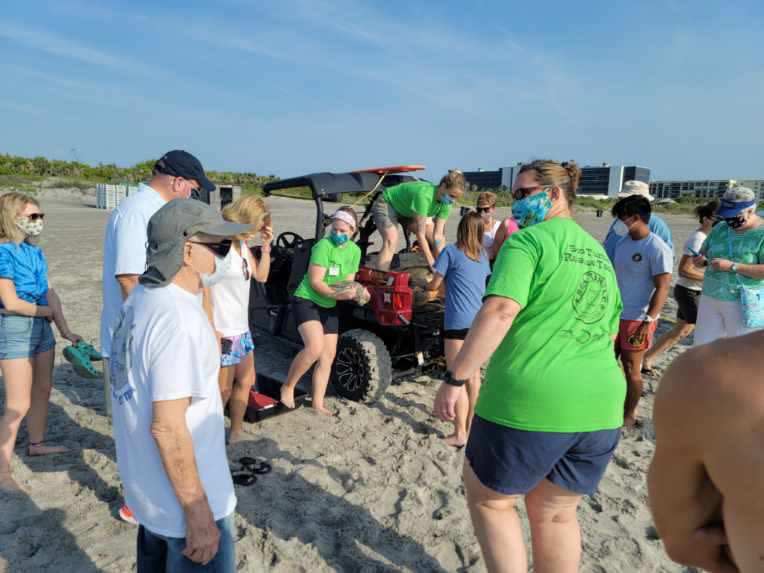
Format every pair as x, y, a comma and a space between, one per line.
329, 184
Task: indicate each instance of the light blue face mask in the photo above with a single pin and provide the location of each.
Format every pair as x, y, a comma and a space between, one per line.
531, 210
338, 238
447, 199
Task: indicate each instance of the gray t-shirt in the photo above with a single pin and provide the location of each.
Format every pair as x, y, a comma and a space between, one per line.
636, 263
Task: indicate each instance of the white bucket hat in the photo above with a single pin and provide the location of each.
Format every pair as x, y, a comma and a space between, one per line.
636, 188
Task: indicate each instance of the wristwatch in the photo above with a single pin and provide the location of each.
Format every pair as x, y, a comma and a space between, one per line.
648, 318
733, 268
451, 381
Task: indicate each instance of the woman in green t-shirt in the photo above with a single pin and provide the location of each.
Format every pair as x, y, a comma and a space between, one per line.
333, 259
550, 409
414, 205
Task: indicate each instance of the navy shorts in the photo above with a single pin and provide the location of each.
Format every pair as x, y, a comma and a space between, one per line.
514, 462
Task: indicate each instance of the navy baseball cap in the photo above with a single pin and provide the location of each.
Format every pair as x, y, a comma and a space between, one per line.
181, 163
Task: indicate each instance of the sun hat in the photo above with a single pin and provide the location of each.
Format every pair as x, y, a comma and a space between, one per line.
635, 188
169, 229
735, 200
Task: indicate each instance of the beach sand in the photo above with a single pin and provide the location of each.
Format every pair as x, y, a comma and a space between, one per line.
372, 489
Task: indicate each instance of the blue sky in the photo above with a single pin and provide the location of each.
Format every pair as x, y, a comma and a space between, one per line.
294, 86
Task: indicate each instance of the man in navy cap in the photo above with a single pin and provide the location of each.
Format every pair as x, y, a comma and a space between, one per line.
177, 175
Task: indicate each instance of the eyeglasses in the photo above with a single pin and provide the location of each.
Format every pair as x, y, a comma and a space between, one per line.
221, 248
484, 209
523, 192
36, 216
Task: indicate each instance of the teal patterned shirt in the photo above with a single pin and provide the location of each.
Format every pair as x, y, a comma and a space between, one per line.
724, 243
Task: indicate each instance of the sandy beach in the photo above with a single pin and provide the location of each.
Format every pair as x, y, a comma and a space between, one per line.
372, 489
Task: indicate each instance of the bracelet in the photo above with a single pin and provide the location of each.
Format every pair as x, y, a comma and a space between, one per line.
451, 381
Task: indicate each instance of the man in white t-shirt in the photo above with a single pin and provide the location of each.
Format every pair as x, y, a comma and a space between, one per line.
167, 411
176, 175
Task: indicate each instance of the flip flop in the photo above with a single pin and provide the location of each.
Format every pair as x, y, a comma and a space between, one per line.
243, 479
80, 360
259, 467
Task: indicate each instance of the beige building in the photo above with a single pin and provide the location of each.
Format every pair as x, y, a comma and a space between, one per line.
702, 188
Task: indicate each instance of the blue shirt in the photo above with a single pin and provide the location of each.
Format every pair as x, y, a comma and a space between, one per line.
25, 265
465, 285
657, 225
636, 264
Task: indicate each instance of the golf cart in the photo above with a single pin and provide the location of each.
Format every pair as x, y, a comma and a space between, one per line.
394, 335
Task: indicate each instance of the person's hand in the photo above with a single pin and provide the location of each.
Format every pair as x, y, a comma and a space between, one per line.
700, 261
722, 265
347, 294
445, 402
266, 234
202, 535
72, 337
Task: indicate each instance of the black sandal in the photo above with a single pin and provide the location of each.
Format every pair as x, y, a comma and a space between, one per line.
243, 479
259, 467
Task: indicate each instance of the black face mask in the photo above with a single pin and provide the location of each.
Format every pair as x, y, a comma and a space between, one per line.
735, 222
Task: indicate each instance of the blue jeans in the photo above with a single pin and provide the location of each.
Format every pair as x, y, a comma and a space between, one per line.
157, 553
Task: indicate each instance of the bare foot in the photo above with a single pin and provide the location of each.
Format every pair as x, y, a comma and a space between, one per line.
236, 437
40, 449
630, 421
287, 396
455, 441
8, 485
322, 410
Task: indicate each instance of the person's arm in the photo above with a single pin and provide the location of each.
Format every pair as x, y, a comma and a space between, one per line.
58, 317
14, 305
688, 270
750, 271
685, 503
498, 241
489, 328
176, 449
439, 236
421, 237
263, 267
660, 295
435, 282
126, 284
316, 276
130, 239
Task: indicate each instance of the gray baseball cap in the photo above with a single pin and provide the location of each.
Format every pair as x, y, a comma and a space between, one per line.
169, 229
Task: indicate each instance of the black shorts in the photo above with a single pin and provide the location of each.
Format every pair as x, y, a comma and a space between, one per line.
460, 334
306, 310
687, 302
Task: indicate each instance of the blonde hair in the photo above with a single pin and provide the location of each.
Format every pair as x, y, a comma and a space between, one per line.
487, 199
11, 206
469, 235
550, 173
453, 181
248, 210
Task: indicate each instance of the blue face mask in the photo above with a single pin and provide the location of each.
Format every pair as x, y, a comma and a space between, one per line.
338, 238
447, 199
531, 210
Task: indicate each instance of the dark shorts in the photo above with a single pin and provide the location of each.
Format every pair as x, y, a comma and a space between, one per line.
687, 302
160, 553
459, 334
24, 336
306, 310
514, 462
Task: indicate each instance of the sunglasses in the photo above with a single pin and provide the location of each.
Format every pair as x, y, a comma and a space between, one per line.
221, 249
36, 216
484, 209
523, 192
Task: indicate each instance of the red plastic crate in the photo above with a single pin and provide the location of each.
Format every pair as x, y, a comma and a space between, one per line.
392, 299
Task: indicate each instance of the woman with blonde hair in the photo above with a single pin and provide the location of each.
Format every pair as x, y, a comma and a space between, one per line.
228, 304
550, 409
414, 204
27, 344
496, 232
464, 267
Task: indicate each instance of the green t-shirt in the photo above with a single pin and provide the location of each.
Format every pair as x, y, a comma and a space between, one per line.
747, 248
555, 370
339, 262
416, 198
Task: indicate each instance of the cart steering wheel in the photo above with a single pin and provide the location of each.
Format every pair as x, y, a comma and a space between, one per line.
289, 240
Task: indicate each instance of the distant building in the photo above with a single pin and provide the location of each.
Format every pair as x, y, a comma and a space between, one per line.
605, 180
702, 188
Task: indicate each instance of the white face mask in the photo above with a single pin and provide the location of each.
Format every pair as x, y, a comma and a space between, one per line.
222, 264
620, 228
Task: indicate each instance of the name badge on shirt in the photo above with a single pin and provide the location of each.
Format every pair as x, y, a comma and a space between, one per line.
334, 271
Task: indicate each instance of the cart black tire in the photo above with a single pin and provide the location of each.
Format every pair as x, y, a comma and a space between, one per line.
363, 369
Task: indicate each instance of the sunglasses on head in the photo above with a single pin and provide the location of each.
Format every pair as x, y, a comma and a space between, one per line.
220, 248
36, 216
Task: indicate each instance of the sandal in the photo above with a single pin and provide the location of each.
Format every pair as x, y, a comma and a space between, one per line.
79, 356
243, 479
259, 467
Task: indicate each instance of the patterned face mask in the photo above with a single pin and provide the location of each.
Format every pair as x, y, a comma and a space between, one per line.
31, 228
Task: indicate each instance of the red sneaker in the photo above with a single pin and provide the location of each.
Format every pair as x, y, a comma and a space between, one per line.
126, 515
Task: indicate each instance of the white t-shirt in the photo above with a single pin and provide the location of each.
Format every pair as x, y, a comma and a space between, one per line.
124, 253
694, 243
230, 297
164, 349
490, 235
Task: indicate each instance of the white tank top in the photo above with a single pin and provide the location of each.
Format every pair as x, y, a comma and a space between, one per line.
230, 297
490, 235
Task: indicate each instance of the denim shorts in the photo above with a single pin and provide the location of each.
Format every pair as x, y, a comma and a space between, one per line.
514, 462
157, 553
24, 336
235, 348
